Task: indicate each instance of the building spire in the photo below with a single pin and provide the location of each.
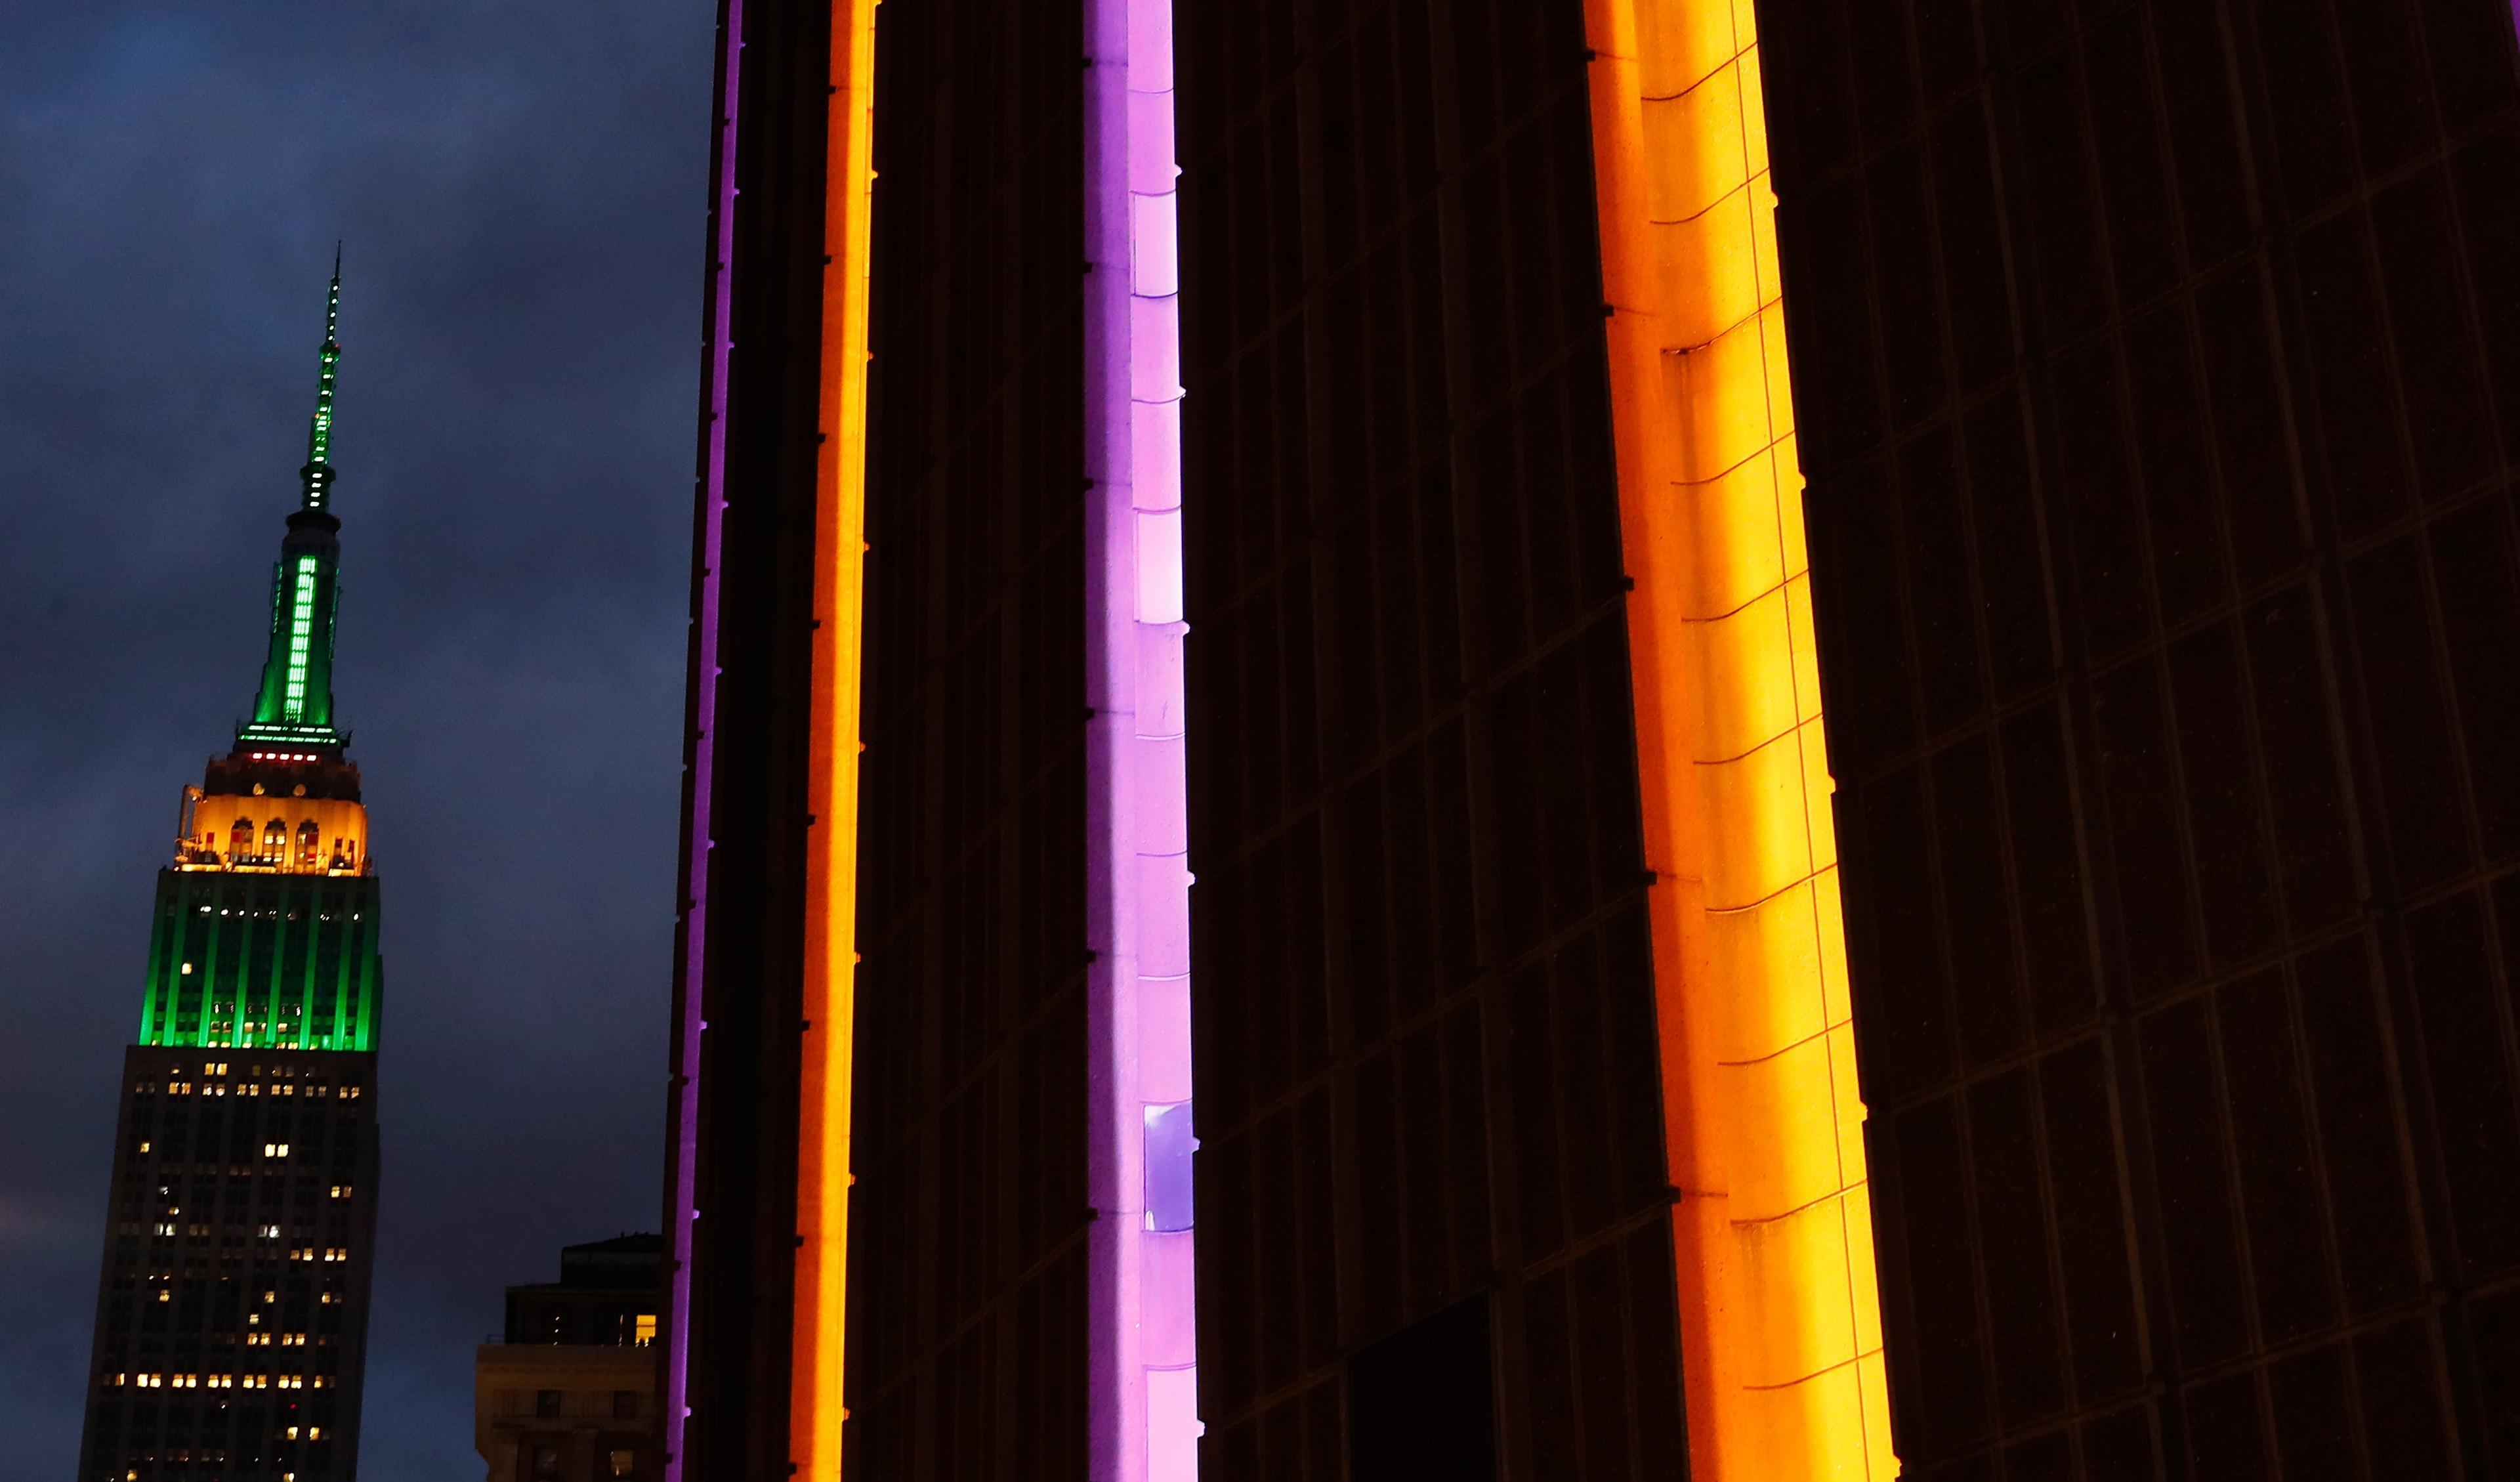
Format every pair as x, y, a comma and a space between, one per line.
293, 705
318, 473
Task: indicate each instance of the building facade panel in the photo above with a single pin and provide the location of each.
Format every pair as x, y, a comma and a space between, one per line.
1425, 1015
2160, 507
968, 1311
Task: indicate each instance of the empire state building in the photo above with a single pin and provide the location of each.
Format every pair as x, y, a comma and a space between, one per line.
230, 1322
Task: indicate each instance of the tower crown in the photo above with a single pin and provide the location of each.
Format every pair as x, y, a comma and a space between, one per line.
267, 914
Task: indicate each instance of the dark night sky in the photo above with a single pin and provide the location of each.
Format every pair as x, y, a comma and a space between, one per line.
521, 186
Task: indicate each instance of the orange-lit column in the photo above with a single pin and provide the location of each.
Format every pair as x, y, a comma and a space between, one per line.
831, 863
1779, 1313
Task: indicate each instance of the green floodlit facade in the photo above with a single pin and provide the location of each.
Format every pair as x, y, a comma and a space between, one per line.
263, 961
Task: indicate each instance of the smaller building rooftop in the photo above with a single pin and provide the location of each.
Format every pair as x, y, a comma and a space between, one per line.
607, 1295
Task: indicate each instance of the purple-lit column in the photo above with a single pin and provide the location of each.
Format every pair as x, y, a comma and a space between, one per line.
680, 1202
1144, 1385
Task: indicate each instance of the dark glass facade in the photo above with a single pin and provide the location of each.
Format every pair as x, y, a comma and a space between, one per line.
2159, 376
1423, 1001
967, 1259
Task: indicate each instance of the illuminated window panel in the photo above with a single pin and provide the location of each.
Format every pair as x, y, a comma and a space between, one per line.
1144, 1388
1778, 1307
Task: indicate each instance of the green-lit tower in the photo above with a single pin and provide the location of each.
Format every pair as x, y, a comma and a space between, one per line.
232, 1314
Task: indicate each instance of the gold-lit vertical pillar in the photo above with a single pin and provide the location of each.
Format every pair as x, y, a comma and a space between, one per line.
823, 1176
1779, 1313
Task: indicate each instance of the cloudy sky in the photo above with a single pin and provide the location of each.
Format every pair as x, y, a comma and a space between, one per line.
521, 186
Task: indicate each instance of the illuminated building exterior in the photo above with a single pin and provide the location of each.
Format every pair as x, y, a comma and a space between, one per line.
568, 1394
1387, 533
232, 1312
